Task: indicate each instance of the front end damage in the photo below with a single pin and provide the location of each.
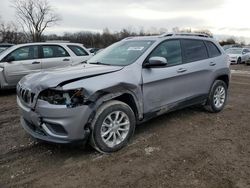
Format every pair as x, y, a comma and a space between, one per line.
54, 120
61, 111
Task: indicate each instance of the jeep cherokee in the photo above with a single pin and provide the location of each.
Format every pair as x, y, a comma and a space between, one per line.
128, 83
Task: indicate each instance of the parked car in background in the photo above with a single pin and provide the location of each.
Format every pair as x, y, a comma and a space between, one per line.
126, 84
23, 59
238, 55
4, 46
94, 51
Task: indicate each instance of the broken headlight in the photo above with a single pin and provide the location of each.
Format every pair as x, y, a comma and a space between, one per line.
70, 98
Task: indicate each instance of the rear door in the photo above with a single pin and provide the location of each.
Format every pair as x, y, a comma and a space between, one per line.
200, 68
80, 54
26, 61
54, 56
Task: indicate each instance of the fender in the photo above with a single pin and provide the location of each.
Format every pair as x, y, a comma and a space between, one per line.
100, 97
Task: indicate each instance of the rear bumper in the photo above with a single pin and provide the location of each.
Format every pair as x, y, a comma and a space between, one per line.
53, 123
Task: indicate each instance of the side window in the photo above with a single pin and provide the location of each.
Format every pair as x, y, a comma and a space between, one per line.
25, 53
213, 51
193, 50
78, 50
246, 51
171, 50
53, 51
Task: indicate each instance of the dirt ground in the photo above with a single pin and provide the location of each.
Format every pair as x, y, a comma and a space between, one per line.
187, 148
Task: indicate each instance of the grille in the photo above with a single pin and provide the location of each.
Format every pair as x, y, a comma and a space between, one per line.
25, 94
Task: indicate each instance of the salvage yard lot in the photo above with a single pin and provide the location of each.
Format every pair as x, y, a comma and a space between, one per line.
187, 148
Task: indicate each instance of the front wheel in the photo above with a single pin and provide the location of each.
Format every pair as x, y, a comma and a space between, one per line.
112, 127
239, 60
217, 97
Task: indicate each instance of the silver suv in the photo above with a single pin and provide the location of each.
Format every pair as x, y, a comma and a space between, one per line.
128, 83
23, 59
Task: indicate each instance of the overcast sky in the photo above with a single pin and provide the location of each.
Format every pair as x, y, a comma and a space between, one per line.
222, 17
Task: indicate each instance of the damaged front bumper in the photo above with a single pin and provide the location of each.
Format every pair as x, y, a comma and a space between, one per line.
55, 123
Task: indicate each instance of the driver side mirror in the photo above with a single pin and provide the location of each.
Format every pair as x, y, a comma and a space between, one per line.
10, 59
156, 62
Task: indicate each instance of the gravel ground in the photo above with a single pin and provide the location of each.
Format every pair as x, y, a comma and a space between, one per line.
187, 148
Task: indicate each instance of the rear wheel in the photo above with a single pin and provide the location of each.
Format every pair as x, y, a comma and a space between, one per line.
112, 127
217, 97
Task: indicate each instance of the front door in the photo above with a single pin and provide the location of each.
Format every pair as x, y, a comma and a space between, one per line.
25, 61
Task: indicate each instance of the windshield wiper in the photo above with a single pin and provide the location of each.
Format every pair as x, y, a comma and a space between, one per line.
99, 63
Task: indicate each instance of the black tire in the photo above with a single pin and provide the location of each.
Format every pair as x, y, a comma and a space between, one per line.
210, 104
102, 113
239, 60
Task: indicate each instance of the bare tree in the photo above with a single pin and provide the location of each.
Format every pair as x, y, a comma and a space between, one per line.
35, 16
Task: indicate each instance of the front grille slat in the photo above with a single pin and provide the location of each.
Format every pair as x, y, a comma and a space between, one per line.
25, 94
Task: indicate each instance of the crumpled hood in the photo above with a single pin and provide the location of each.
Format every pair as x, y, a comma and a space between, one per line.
47, 79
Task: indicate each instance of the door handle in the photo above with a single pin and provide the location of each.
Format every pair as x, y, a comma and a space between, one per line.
35, 62
181, 70
66, 59
212, 63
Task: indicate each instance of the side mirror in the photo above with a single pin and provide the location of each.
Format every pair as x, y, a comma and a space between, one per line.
243, 53
10, 59
156, 62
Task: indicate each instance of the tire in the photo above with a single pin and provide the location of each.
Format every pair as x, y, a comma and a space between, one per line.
239, 60
216, 104
109, 136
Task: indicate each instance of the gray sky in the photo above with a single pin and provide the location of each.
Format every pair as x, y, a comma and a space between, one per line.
222, 17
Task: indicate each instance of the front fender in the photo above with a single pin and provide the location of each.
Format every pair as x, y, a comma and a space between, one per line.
100, 97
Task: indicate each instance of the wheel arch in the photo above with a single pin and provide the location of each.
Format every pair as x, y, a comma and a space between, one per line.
224, 78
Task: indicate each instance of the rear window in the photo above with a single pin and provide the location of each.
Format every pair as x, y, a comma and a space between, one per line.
78, 50
213, 51
193, 50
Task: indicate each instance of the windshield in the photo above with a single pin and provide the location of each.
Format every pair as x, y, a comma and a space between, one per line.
2, 49
122, 53
233, 51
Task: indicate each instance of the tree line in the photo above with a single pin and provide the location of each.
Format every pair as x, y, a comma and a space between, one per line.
35, 16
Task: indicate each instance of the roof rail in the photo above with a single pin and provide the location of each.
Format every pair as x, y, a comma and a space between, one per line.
186, 34
58, 41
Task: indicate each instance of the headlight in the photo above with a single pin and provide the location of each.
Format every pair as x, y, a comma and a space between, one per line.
70, 98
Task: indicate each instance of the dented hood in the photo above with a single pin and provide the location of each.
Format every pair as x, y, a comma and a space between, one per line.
47, 79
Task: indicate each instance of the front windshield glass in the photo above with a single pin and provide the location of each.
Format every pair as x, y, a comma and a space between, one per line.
122, 53
234, 51
2, 49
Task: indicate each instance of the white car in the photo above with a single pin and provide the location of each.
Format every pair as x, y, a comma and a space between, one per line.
238, 55
23, 59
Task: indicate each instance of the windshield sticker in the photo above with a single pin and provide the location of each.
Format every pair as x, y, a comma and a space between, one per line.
135, 48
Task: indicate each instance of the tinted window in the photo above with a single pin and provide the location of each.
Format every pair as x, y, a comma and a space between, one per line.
25, 53
213, 51
52, 51
171, 50
194, 50
78, 50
